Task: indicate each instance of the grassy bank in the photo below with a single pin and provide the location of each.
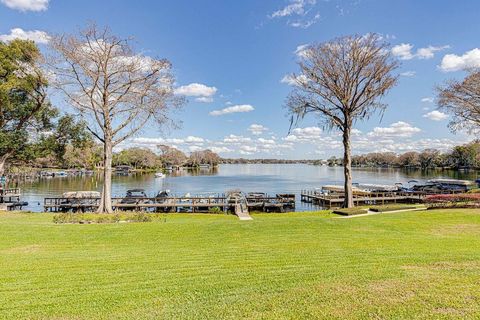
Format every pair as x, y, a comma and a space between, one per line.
301, 265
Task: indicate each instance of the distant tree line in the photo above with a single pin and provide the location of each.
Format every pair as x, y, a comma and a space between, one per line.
79, 152
264, 161
465, 156
143, 158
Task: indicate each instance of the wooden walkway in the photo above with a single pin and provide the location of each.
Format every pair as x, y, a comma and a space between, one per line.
241, 206
241, 211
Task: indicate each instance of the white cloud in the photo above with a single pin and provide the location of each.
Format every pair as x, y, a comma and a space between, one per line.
233, 139
202, 92
194, 148
26, 5
148, 141
304, 24
192, 139
308, 131
408, 74
257, 129
38, 36
292, 80
301, 49
146, 63
429, 52
204, 99
221, 150
428, 100
247, 150
308, 134
436, 115
403, 145
153, 142
356, 132
404, 51
233, 109
296, 7
301, 10
452, 62
397, 129
266, 141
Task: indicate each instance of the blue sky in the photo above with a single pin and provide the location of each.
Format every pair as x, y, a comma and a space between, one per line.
236, 53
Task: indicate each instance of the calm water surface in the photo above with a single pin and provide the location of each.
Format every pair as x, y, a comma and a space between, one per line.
269, 178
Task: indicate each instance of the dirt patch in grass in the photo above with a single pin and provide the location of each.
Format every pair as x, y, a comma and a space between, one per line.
350, 211
450, 312
467, 266
470, 229
24, 249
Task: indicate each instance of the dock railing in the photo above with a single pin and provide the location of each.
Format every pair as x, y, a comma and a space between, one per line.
9, 195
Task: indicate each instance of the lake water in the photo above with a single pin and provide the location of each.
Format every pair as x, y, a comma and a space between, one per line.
269, 178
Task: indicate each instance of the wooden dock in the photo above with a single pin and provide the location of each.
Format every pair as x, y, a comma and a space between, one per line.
335, 200
10, 199
10, 195
241, 206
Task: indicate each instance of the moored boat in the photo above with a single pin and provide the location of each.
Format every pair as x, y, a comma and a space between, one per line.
453, 184
376, 187
336, 189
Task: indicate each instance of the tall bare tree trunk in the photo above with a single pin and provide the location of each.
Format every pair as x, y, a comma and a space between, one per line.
3, 160
347, 168
106, 199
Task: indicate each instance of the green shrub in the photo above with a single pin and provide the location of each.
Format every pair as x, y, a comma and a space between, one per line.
393, 207
103, 217
66, 218
140, 217
215, 210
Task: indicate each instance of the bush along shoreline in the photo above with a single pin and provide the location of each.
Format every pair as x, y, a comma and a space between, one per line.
94, 218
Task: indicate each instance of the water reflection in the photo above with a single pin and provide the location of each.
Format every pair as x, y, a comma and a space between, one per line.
269, 178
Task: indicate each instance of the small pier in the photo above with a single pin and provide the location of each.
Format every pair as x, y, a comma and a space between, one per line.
335, 200
10, 199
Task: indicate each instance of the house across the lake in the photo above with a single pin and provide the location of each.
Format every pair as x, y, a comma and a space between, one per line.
123, 169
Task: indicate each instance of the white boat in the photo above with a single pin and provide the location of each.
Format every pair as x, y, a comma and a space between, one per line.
160, 175
332, 189
376, 187
81, 194
454, 182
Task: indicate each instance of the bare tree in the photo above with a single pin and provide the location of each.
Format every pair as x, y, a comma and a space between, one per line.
117, 90
462, 100
171, 156
342, 81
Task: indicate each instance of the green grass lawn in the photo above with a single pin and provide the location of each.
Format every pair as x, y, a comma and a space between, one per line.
423, 264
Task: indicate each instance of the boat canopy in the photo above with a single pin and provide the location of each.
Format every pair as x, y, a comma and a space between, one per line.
377, 187
341, 189
451, 181
81, 194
